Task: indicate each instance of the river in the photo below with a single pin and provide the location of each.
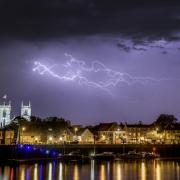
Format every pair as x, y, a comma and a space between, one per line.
115, 170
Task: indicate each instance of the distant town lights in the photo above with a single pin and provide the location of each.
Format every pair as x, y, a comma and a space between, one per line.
50, 138
23, 128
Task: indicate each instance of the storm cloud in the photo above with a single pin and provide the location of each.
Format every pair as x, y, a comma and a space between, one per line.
56, 19
135, 40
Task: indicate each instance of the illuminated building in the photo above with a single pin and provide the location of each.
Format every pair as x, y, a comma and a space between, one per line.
26, 111
5, 114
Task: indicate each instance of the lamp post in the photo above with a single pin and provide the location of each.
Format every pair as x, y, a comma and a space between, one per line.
50, 139
117, 135
36, 140
62, 139
75, 129
94, 143
22, 132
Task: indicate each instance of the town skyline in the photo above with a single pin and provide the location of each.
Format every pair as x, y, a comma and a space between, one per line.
25, 111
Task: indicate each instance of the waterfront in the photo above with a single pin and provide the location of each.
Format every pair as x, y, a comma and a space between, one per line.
105, 170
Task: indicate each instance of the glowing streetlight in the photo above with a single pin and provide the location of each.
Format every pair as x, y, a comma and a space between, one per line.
50, 138
22, 130
75, 129
103, 137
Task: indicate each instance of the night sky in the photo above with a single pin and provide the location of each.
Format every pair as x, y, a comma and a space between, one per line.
91, 61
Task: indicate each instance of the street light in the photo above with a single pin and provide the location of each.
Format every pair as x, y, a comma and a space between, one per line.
50, 139
23, 129
117, 135
36, 140
60, 138
75, 129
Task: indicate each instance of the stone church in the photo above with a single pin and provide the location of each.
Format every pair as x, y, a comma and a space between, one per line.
5, 113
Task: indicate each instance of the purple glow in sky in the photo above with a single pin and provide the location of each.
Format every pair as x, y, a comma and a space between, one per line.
91, 62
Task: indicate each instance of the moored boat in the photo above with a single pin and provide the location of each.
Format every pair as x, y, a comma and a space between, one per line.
133, 155
74, 156
103, 156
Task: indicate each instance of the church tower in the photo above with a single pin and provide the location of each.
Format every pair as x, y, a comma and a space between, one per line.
5, 114
26, 111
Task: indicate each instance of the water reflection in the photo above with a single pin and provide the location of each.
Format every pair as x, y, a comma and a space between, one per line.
60, 171
35, 173
76, 173
158, 172
28, 174
40, 172
117, 170
50, 172
177, 170
102, 172
22, 173
92, 169
143, 171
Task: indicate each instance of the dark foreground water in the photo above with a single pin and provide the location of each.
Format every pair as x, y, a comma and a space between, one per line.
117, 170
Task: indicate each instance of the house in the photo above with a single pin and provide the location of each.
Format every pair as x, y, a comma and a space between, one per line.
30, 137
84, 136
106, 133
139, 133
172, 134
6, 137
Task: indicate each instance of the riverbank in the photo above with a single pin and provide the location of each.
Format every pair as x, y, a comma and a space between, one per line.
49, 151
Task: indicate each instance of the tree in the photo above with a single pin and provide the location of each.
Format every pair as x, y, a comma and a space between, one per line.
164, 121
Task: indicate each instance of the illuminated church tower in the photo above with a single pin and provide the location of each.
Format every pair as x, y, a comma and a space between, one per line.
26, 111
5, 114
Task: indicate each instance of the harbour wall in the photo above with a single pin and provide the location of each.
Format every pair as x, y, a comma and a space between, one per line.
33, 151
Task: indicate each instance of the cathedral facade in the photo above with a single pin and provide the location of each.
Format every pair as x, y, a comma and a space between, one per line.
5, 113
26, 111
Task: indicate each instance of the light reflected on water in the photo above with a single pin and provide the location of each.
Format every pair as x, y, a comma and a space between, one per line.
28, 174
158, 172
50, 172
22, 173
143, 171
177, 171
12, 174
76, 173
92, 169
102, 172
60, 171
117, 170
40, 172
35, 172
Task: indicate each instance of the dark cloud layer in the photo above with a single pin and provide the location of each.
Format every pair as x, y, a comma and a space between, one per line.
43, 19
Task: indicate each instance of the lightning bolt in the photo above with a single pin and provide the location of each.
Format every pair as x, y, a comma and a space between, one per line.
77, 70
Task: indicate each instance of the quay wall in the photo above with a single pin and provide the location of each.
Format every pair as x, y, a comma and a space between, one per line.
13, 151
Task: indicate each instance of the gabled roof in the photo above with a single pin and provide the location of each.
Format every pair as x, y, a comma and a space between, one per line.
107, 126
81, 131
